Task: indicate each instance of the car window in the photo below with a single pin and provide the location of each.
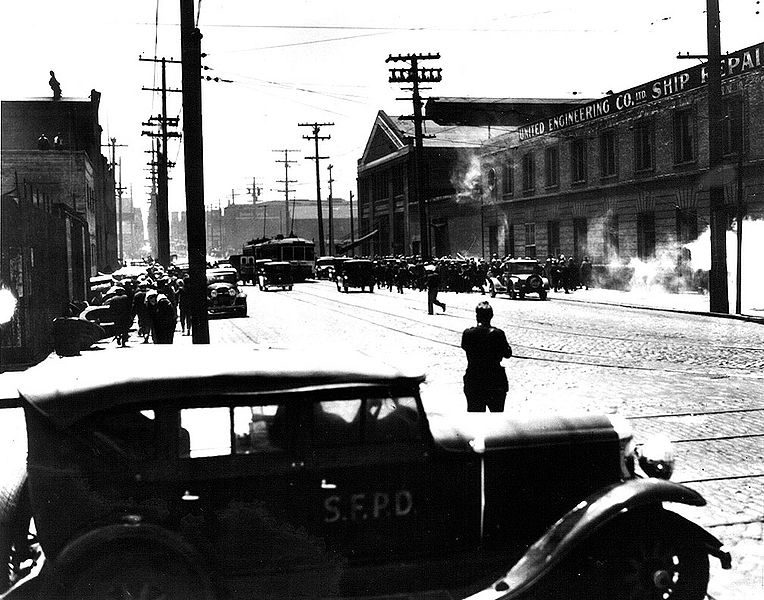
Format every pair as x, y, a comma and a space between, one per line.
208, 431
222, 431
336, 423
133, 434
370, 421
391, 420
259, 429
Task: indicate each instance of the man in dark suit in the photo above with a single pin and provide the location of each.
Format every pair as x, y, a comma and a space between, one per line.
485, 382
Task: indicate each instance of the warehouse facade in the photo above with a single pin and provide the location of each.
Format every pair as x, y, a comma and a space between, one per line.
627, 175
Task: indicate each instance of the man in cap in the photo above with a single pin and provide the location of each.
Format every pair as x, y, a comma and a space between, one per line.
433, 286
485, 382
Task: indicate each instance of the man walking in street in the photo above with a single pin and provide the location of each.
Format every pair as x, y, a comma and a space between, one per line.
485, 382
433, 287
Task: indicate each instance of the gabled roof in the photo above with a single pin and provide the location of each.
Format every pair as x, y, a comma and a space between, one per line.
391, 136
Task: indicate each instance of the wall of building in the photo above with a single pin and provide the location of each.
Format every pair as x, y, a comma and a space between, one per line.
671, 189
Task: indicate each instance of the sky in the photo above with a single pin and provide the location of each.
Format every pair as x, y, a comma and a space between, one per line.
298, 61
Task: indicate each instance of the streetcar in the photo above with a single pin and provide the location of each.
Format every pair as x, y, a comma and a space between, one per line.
301, 253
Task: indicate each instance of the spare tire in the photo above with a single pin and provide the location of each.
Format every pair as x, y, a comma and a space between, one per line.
534, 282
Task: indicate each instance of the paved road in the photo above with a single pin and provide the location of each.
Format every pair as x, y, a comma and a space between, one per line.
698, 379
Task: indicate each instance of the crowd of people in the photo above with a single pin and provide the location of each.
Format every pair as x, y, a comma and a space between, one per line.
463, 275
157, 299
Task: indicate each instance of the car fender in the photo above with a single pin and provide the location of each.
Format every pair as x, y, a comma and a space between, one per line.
100, 539
584, 520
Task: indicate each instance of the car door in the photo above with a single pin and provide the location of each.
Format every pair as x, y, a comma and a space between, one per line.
374, 490
236, 484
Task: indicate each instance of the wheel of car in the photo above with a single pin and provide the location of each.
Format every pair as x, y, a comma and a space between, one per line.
644, 557
135, 572
289, 288
542, 294
18, 544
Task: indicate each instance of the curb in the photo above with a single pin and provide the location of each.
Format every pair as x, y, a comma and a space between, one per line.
745, 318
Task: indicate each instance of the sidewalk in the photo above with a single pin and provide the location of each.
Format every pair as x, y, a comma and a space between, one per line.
657, 299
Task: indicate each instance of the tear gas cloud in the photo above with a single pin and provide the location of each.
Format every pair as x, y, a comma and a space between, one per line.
684, 268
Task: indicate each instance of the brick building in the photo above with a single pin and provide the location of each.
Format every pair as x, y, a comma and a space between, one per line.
385, 188
57, 213
74, 173
626, 175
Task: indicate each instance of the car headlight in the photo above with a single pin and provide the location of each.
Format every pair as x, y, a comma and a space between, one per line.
213, 293
656, 457
232, 292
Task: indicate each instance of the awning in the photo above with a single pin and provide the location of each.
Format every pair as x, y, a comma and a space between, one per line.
342, 248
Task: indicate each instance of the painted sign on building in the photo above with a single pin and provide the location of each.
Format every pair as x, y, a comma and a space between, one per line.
732, 65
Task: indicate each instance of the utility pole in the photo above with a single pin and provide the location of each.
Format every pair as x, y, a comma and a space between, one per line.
717, 284
286, 181
415, 75
119, 189
316, 128
193, 152
163, 224
331, 213
352, 227
121, 239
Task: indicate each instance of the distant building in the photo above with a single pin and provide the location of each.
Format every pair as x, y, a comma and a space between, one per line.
133, 230
243, 222
388, 210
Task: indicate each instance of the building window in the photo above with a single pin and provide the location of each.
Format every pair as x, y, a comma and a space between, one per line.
608, 154
580, 237
529, 173
611, 245
493, 240
491, 181
578, 160
530, 240
398, 179
507, 178
684, 136
643, 144
686, 225
732, 125
646, 235
552, 166
553, 237
509, 242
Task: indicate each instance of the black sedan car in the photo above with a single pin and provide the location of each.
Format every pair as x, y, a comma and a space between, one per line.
205, 472
355, 273
223, 294
520, 277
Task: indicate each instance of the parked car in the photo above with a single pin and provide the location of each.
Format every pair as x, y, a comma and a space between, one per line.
223, 294
355, 273
326, 267
275, 274
518, 278
205, 472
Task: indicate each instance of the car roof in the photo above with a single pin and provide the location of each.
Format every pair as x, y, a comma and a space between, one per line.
66, 390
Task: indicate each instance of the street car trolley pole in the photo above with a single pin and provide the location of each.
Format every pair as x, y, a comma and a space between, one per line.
190, 42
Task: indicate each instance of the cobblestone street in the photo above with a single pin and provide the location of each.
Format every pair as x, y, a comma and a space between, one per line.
696, 378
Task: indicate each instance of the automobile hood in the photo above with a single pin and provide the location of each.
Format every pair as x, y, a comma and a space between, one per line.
486, 432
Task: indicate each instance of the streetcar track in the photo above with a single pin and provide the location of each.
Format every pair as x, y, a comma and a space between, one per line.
578, 334
594, 363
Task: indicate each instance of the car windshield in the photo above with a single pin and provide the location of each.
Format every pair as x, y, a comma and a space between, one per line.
221, 278
523, 268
